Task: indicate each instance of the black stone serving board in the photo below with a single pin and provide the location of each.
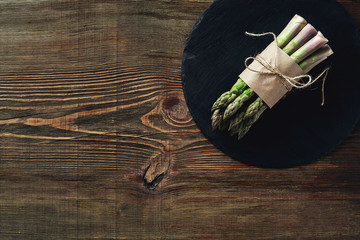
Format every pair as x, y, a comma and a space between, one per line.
298, 130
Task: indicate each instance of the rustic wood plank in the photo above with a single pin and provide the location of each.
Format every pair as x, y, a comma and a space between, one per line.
97, 141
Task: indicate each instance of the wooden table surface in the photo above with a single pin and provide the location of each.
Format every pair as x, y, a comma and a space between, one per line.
97, 141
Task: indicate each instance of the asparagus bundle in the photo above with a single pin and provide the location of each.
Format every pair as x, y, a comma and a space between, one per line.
239, 108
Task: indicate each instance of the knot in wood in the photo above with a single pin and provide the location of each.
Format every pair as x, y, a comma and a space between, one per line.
175, 108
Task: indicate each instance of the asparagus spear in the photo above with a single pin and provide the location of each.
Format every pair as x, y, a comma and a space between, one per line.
253, 108
316, 58
224, 125
289, 32
216, 118
226, 98
246, 125
235, 122
237, 103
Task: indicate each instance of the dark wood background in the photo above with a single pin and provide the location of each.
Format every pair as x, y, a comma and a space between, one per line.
97, 141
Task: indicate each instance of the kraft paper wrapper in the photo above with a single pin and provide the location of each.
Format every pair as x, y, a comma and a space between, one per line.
268, 86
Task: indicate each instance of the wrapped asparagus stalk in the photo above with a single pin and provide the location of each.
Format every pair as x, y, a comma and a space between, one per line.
303, 44
296, 24
321, 55
255, 109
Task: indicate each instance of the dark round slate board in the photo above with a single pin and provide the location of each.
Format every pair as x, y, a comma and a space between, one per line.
297, 130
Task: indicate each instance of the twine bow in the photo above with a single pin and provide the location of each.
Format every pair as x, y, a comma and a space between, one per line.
293, 81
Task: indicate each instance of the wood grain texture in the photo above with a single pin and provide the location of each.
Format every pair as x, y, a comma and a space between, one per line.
97, 141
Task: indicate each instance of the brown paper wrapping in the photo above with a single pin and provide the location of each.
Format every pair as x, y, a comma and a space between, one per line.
268, 86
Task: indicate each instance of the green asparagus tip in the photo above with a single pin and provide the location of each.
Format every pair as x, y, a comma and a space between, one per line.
237, 103
216, 119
